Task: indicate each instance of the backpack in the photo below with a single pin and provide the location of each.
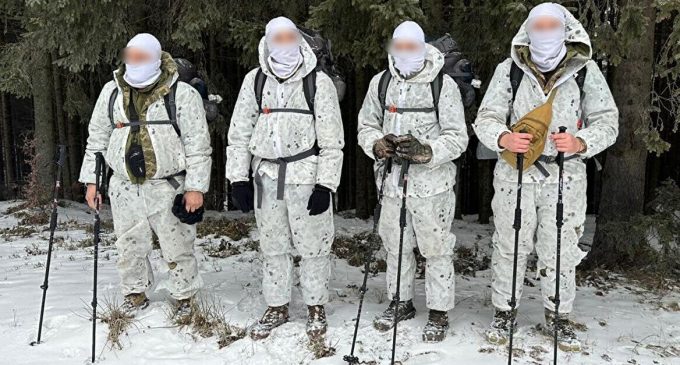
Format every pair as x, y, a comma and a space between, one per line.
455, 65
187, 73
324, 63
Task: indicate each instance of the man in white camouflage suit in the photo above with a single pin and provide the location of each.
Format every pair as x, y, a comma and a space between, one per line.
409, 126
293, 142
152, 160
553, 53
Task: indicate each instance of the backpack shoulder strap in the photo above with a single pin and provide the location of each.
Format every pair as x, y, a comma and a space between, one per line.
383, 85
581, 79
309, 88
112, 104
171, 107
260, 79
436, 86
516, 75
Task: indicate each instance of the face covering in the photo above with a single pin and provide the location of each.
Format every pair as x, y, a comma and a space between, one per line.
547, 48
284, 59
142, 75
408, 63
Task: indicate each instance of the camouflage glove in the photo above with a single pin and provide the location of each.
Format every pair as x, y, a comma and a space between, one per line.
409, 148
385, 147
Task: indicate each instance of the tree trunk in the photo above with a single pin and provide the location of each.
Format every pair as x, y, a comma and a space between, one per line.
365, 181
631, 87
42, 168
7, 141
62, 129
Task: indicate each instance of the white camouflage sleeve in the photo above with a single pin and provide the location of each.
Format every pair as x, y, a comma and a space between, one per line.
330, 134
241, 128
99, 133
195, 138
369, 125
495, 108
453, 138
600, 113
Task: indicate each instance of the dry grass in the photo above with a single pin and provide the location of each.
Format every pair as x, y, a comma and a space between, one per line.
353, 249
234, 229
111, 313
208, 319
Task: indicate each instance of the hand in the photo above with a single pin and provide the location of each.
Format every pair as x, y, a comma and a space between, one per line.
320, 200
385, 147
565, 142
242, 195
193, 200
411, 149
90, 196
516, 142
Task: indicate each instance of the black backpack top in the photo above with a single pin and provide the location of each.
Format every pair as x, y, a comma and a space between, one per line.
455, 65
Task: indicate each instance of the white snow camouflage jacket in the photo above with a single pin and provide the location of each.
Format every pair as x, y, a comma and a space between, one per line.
190, 152
594, 118
254, 136
447, 136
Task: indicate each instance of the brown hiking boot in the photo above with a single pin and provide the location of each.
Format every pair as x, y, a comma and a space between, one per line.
499, 329
183, 311
316, 322
567, 340
272, 318
134, 302
436, 327
385, 321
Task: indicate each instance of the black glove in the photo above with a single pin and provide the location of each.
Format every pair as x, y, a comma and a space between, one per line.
180, 211
409, 148
385, 147
320, 200
242, 196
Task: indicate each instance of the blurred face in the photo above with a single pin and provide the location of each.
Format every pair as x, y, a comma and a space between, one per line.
405, 46
136, 56
284, 38
545, 24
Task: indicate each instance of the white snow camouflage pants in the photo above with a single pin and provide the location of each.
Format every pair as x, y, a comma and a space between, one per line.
539, 230
137, 211
428, 225
285, 222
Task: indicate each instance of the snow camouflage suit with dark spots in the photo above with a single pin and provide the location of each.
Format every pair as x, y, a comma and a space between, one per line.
139, 210
254, 137
430, 196
594, 119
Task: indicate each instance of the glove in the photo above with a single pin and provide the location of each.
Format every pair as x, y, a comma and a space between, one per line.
180, 211
409, 148
242, 196
384, 147
320, 200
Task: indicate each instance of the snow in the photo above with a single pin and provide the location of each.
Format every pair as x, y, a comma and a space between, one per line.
626, 325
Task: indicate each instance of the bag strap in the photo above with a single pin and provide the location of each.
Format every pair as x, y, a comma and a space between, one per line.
309, 88
112, 103
516, 76
581, 79
383, 85
260, 79
171, 107
436, 86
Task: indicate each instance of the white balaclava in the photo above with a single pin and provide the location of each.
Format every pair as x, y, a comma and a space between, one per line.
142, 75
408, 63
283, 59
547, 48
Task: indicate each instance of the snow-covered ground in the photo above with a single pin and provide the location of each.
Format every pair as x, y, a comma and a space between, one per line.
625, 325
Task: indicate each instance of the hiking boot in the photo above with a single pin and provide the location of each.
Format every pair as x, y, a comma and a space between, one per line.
567, 340
183, 311
316, 322
436, 327
272, 318
385, 321
133, 303
499, 330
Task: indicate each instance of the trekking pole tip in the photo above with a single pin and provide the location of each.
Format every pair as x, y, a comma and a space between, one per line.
562, 129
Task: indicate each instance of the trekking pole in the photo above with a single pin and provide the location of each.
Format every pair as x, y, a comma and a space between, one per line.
351, 359
560, 220
53, 226
402, 227
517, 225
98, 171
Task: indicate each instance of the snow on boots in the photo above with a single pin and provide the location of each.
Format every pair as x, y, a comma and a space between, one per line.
385, 321
567, 340
272, 318
436, 327
316, 323
499, 330
134, 303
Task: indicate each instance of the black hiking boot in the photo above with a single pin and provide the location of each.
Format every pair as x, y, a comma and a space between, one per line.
436, 327
272, 318
385, 321
316, 323
567, 340
133, 303
499, 330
